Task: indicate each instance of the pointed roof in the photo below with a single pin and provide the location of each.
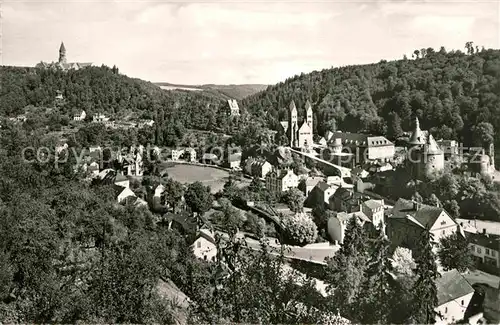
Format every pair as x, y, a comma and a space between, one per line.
308, 106
62, 48
305, 127
292, 106
417, 136
452, 285
432, 146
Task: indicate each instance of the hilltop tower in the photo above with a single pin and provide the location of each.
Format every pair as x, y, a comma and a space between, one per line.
293, 120
62, 54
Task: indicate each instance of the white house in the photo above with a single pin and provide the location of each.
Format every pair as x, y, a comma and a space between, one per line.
337, 225
454, 295
374, 209
122, 193
177, 153
99, 118
93, 169
204, 246
258, 168
485, 248
80, 116
281, 181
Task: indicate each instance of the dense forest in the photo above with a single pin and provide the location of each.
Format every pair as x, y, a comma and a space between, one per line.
450, 92
105, 90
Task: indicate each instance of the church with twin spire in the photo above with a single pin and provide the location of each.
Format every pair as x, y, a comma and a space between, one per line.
62, 63
301, 137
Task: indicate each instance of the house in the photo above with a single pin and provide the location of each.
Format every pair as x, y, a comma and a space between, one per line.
80, 116
204, 246
93, 169
190, 155
345, 199
409, 218
279, 181
320, 194
454, 294
336, 225
132, 164
485, 248
257, 167
483, 226
94, 149
98, 118
234, 109
138, 202
233, 161
309, 183
122, 193
374, 210
365, 147
177, 153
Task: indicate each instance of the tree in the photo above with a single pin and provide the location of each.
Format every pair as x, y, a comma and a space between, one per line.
229, 218
299, 228
483, 134
402, 262
453, 209
424, 290
174, 191
377, 292
454, 253
417, 197
230, 190
345, 271
294, 198
433, 200
198, 198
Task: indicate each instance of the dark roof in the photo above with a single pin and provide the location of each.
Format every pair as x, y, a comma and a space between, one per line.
489, 241
452, 285
292, 105
62, 48
323, 186
342, 193
120, 177
117, 189
425, 214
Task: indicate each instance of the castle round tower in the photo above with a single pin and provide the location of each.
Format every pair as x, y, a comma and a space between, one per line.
433, 157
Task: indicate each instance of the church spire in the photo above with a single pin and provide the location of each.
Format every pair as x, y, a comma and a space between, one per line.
62, 53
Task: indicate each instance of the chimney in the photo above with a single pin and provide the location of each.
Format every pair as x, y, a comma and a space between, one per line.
416, 205
484, 231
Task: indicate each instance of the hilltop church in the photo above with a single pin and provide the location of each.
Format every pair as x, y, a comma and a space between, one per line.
300, 137
62, 62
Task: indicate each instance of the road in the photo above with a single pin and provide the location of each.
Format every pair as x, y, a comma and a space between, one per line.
483, 277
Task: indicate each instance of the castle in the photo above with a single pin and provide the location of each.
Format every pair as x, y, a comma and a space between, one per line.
62, 62
300, 137
425, 155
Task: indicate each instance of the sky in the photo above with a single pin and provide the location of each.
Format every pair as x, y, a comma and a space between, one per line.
237, 42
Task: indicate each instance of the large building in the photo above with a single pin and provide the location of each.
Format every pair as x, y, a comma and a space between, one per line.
62, 63
363, 147
410, 218
424, 154
234, 109
454, 294
300, 137
279, 181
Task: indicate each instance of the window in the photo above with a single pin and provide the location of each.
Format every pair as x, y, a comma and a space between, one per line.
462, 302
487, 251
445, 310
443, 222
205, 257
479, 250
443, 232
198, 244
493, 253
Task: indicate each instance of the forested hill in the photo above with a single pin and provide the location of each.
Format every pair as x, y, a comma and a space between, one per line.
226, 91
451, 93
103, 89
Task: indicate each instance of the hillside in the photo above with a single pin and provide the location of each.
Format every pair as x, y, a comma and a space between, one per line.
227, 91
451, 93
102, 89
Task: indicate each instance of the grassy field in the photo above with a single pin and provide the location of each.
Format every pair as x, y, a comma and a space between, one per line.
213, 177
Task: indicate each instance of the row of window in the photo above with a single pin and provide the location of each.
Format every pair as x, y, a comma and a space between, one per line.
487, 251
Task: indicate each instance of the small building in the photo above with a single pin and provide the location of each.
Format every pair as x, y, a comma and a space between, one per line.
190, 155
257, 167
346, 200
177, 153
449, 147
234, 109
374, 210
320, 194
93, 169
309, 183
337, 225
279, 181
204, 246
122, 193
80, 116
454, 294
234, 161
209, 159
485, 248
99, 118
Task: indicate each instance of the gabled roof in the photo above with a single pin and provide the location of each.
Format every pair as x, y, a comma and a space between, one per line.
452, 285
426, 215
292, 106
342, 193
489, 241
207, 234
373, 204
343, 216
284, 125
305, 127
120, 178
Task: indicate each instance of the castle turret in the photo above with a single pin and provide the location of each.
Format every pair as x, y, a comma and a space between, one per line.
433, 157
62, 53
417, 137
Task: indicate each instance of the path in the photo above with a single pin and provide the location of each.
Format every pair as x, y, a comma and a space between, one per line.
344, 171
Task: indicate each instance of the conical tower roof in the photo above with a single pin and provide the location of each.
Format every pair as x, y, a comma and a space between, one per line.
432, 146
62, 48
308, 106
292, 106
417, 137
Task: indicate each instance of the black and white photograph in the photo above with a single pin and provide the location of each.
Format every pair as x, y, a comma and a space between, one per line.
315, 162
